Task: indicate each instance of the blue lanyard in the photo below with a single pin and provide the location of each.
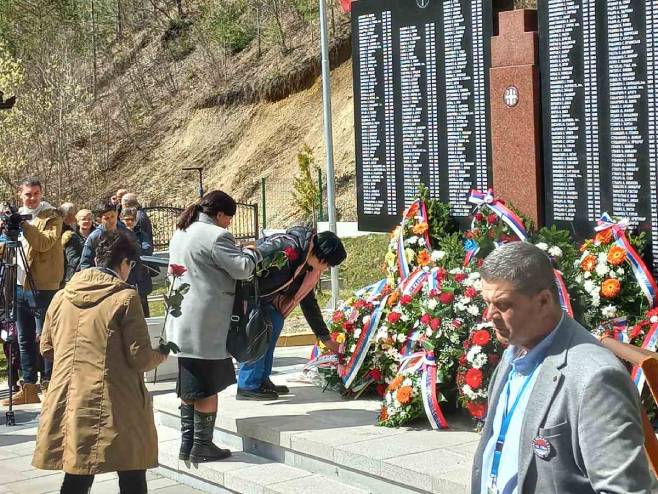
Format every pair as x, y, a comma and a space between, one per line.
507, 420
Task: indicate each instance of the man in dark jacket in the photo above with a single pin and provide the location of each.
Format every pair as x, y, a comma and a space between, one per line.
307, 256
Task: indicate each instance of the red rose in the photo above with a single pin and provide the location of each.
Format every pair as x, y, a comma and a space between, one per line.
359, 304
394, 317
471, 292
381, 389
375, 374
435, 323
176, 270
441, 274
459, 277
338, 317
434, 293
479, 216
477, 410
474, 378
406, 299
462, 360
493, 359
481, 337
425, 319
348, 326
291, 254
369, 307
492, 218
456, 323
447, 298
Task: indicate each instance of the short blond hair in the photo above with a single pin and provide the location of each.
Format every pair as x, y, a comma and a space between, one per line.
82, 213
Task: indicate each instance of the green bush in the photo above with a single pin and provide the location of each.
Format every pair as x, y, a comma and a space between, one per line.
230, 23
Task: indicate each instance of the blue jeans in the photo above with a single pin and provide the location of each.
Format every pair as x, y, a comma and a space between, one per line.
29, 323
252, 375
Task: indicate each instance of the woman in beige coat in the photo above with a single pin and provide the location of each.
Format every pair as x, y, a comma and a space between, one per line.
98, 416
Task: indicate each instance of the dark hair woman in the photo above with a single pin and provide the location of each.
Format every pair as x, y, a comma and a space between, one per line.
207, 250
282, 289
97, 416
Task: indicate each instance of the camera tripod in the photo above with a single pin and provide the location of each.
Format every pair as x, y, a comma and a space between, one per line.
13, 252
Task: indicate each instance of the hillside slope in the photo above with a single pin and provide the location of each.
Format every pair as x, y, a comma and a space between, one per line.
235, 135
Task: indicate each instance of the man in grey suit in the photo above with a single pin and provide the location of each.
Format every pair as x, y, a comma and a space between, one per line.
564, 416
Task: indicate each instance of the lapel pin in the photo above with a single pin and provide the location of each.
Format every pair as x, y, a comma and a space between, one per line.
542, 447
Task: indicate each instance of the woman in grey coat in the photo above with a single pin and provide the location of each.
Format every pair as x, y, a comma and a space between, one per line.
208, 251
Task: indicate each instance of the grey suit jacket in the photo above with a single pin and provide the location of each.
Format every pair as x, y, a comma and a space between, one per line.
585, 404
213, 263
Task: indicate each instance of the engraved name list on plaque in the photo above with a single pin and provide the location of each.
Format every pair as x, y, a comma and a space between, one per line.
421, 104
600, 103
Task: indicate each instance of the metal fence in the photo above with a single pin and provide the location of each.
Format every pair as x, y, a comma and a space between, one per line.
163, 218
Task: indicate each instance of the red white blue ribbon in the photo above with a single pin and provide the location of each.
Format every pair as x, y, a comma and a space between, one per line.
512, 220
563, 294
371, 292
412, 338
350, 370
426, 363
644, 277
650, 342
322, 362
414, 282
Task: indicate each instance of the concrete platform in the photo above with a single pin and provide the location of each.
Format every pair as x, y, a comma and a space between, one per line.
315, 442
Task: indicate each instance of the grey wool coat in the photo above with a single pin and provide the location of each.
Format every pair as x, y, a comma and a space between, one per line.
213, 264
585, 404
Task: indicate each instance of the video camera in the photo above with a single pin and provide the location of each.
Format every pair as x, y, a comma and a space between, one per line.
11, 221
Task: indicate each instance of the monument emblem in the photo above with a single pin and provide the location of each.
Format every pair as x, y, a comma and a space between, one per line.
511, 96
422, 3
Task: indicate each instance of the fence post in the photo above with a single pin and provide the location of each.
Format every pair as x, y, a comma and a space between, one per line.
320, 212
262, 200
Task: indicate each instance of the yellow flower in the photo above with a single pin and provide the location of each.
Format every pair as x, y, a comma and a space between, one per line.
340, 338
409, 254
390, 258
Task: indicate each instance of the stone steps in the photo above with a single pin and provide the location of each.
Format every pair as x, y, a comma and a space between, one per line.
322, 434
244, 473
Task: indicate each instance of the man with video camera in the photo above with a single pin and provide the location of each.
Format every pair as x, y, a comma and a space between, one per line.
38, 279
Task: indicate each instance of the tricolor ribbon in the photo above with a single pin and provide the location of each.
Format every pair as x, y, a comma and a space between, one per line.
417, 206
321, 362
415, 282
481, 199
425, 362
644, 277
649, 343
371, 291
350, 370
563, 294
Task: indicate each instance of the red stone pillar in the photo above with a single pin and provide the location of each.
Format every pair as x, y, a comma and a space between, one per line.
515, 113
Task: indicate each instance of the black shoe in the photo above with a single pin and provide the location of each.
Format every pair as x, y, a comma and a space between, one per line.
269, 385
260, 394
203, 449
187, 431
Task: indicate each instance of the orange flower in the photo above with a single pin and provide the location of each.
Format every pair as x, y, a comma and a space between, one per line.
383, 414
585, 245
616, 255
588, 264
404, 395
423, 258
610, 288
395, 383
420, 228
393, 298
603, 237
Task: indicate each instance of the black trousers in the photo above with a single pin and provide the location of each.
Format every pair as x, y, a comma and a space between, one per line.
130, 482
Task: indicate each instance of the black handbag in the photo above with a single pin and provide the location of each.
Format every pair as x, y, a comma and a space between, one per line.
250, 330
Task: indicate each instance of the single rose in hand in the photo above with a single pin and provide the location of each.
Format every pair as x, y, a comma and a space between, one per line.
291, 254
176, 270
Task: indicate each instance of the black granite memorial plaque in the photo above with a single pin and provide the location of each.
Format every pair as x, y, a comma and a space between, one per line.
599, 104
421, 86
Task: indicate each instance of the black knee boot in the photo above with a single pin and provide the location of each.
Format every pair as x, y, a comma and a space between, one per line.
203, 449
187, 431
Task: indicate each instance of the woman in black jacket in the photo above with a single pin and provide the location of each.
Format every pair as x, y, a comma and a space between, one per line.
281, 289
72, 242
